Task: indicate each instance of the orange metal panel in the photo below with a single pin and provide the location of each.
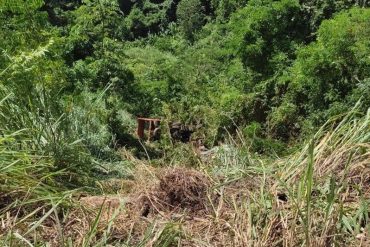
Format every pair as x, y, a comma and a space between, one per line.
140, 128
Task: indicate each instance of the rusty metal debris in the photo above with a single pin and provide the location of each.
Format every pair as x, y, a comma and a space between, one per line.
152, 125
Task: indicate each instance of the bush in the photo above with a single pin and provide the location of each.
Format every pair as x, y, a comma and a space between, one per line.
257, 141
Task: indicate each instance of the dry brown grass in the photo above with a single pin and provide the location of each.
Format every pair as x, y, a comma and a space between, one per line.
265, 206
209, 215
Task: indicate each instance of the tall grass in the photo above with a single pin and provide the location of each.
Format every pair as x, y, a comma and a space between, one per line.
27, 189
315, 197
318, 196
49, 144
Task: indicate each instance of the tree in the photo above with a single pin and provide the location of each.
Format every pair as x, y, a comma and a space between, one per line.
19, 6
92, 22
190, 16
224, 8
330, 74
266, 34
314, 12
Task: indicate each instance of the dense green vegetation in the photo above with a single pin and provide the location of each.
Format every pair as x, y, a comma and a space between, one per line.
262, 76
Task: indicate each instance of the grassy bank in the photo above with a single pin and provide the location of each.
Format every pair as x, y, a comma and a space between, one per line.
318, 196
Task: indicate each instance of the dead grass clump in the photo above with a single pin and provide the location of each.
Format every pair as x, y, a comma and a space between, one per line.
114, 186
178, 190
96, 216
95, 202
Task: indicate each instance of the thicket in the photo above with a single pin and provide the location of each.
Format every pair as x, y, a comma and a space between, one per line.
261, 74
274, 69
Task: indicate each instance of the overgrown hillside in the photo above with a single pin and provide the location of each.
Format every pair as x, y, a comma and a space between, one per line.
275, 95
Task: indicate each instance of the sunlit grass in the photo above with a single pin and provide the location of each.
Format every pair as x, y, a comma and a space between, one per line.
318, 196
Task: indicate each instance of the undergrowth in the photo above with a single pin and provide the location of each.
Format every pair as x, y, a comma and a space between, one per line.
318, 196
